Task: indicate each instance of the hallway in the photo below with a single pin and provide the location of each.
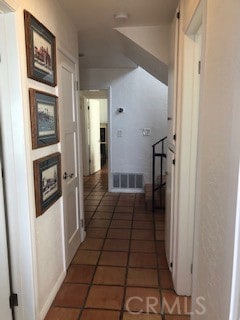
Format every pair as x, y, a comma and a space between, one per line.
121, 266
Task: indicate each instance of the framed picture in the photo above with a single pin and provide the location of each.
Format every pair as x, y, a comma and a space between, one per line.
47, 181
41, 51
44, 118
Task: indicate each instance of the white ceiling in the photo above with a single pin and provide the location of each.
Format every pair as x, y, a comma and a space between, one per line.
98, 40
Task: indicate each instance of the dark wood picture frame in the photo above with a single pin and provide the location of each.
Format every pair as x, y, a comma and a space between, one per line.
40, 50
47, 181
44, 118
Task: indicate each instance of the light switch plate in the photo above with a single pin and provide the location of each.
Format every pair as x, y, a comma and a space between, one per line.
146, 132
119, 133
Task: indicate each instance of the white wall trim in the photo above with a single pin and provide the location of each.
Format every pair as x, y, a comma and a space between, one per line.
8, 6
52, 295
235, 292
110, 186
70, 57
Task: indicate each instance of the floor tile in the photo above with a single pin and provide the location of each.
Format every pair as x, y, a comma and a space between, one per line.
99, 223
90, 208
96, 232
166, 279
98, 194
160, 217
110, 275
142, 246
122, 216
94, 197
140, 207
177, 317
124, 209
143, 300
174, 304
160, 247
113, 258
119, 233
91, 202
116, 245
142, 277
121, 224
91, 244
86, 257
141, 316
102, 215
71, 295
111, 202
80, 274
139, 234
159, 225
88, 215
143, 225
160, 235
105, 208
142, 260
162, 261
143, 217
105, 297
90, 314
126, 203
62, 314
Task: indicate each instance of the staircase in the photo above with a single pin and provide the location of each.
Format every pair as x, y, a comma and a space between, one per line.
155, 192
159, 198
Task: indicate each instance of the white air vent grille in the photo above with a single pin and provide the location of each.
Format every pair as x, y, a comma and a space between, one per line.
127, 180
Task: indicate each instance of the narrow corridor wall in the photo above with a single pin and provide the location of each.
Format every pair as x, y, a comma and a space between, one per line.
218, 156
46, 234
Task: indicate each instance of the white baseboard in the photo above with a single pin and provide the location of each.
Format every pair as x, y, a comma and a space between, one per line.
52, 295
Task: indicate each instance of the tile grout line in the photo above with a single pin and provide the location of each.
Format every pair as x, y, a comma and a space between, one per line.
127, 266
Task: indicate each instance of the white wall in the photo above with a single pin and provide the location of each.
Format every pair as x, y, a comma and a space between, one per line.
218, 158
144, 100
46, 233
148, 37
103, 110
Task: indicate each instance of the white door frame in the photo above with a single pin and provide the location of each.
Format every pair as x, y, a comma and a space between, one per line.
17, 162
186, 147
5, 283
93, 134
110, 182
109, 98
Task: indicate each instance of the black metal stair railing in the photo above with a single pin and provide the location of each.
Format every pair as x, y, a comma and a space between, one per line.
162, 183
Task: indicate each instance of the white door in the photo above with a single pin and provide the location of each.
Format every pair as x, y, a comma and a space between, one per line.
186, 163
70, 157
172, 120
94, 134
5, 311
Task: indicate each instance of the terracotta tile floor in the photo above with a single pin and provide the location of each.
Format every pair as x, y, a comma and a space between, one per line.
121, 265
